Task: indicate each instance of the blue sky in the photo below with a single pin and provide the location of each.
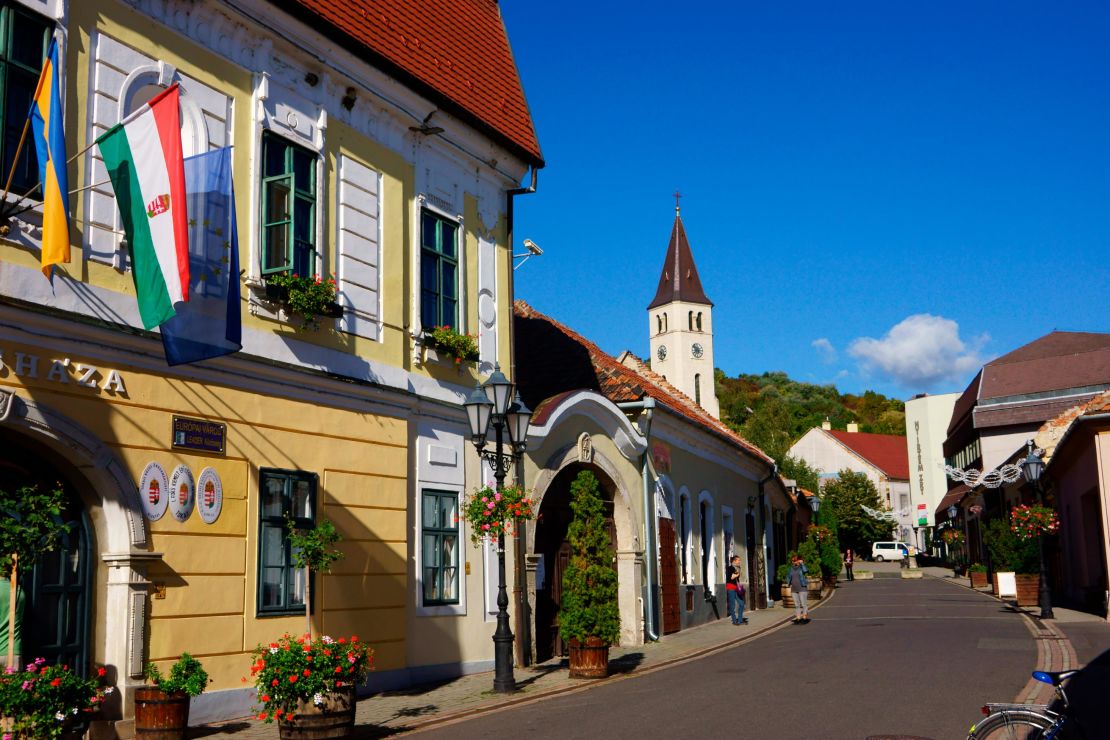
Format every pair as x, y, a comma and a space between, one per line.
880, 195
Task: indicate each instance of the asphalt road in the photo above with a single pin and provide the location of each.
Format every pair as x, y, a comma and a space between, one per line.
884, 658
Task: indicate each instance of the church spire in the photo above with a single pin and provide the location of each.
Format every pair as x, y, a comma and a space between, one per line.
679, 280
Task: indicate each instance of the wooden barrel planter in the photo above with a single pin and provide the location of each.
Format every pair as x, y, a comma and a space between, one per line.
589, 660
160, 716
787, 597
815, 589
978, 579
335, 718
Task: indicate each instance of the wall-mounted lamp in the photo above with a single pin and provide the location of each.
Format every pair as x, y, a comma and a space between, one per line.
533, 251
349, 99
312, 79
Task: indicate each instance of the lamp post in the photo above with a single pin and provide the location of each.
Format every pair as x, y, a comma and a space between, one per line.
815, 504
1033, 468
492, 405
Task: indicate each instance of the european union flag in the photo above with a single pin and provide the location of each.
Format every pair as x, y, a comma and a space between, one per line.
210, 323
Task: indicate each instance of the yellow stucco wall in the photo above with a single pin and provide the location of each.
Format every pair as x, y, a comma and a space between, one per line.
209, 571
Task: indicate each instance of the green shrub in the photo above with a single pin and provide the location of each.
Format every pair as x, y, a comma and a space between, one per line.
977, 568
589, 605
187, 675
1008, 551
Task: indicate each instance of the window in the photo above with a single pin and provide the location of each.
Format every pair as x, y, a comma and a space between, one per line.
439, 271
697, 388
684, 534
24, 38
659, 324
440, 555
698, 321
288, 207
690, 320
284, 493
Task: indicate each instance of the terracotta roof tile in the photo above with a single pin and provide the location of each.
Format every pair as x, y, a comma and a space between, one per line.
887, 452
455, 51
552, 359
1053, 431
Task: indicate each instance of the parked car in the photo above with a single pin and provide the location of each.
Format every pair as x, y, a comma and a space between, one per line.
881, 551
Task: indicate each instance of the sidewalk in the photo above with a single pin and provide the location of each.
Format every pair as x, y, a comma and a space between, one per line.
394, 712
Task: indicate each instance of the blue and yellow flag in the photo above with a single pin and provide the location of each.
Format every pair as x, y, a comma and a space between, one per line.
50, 144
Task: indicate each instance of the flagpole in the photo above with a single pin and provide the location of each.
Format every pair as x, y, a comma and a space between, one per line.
36, 204
15, 161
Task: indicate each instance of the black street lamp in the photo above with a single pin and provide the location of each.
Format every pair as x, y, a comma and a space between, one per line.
1033, 468
815, 504
492, 405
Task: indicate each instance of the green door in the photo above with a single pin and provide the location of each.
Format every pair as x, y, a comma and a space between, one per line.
56, 619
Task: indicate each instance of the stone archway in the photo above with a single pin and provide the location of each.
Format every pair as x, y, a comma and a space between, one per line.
118, 531
545, 541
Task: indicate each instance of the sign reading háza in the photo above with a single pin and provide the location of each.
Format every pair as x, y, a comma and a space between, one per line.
198, 434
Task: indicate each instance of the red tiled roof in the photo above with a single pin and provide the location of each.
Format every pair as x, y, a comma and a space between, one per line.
454, 51
552, 359
1053, 432
679, 280
887, 452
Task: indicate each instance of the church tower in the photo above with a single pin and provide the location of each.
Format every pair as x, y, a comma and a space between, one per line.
680, 324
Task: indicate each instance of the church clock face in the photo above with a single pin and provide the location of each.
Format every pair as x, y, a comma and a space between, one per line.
661, 353
696, 350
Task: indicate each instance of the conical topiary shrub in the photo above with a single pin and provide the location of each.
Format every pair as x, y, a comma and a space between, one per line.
589, 619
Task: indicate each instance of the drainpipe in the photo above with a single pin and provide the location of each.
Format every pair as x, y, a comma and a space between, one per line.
647, 405
762, 533
522, 617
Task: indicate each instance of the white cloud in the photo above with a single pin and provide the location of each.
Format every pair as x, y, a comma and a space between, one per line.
921, 351
825, 348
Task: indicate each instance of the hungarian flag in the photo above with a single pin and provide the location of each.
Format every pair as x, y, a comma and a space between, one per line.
143, 157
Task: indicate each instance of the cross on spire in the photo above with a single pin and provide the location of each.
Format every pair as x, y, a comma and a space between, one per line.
677, 195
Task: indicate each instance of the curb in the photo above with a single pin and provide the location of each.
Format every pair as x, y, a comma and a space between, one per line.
449, 717
1054, 650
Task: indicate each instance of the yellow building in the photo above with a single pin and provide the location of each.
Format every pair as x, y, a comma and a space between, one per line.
377, 148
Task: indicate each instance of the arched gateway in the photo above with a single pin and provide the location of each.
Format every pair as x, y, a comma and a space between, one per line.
101, 569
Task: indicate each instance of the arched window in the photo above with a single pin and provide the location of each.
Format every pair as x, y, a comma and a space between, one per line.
708, 555
699, 321
690, 320
659, 324
664, 322
697, 388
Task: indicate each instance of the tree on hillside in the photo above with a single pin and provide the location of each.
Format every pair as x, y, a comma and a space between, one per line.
845, 497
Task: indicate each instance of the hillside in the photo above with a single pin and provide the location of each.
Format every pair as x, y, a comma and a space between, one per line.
773, 411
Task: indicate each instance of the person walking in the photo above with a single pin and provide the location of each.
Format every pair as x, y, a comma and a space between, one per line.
849, 559
734, 588
799, 586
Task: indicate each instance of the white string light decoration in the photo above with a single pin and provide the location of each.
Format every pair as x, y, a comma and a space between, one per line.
1003, 474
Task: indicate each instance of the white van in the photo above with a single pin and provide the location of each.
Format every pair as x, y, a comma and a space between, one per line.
881, 551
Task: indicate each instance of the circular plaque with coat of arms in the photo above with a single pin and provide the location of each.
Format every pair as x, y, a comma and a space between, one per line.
210, 495
182, 496
154, 491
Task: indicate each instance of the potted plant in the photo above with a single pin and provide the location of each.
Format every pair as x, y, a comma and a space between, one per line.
308, 296
308, 685
444, 339
954, 540
1012, 554
811, 556
828, 549
313, 550
492, 514
782, 573
978, 574
1029, 524
589, 619
44, 702
162, 709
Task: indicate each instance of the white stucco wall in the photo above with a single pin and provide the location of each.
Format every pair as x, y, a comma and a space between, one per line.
927, 420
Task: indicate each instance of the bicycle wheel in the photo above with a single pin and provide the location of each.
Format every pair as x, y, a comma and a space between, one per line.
1011, 724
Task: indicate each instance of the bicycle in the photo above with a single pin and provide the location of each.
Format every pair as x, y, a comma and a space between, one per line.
1026, 721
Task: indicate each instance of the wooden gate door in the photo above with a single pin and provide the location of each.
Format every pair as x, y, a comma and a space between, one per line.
668, 577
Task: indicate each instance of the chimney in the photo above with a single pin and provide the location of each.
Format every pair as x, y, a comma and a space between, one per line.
826, 424
853, 427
